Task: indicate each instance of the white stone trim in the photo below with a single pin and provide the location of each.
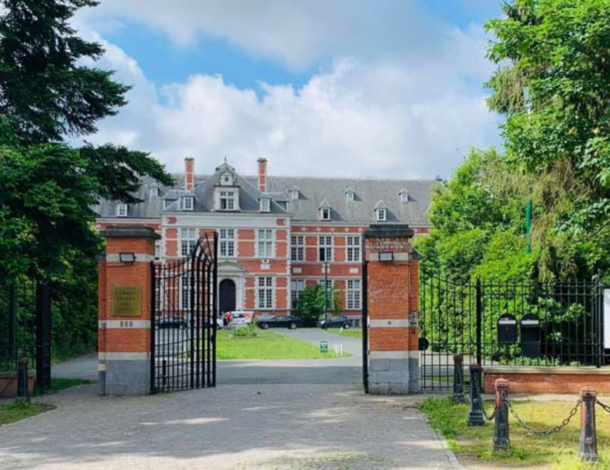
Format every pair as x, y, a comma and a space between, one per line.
123, 324
397, 256
101, 367
126, 356
393, 323
393, 354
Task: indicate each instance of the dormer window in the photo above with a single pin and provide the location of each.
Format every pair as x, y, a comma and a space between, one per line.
188, 203
265, 204
226, 179
404, 196
350, 195
122, 210
382, 215
154, 191
294, 194
227, 200
324, 213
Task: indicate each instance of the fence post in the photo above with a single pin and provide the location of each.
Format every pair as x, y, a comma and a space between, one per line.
23, 386
458, 378
501, 428
479, 319
475, 418
588, 432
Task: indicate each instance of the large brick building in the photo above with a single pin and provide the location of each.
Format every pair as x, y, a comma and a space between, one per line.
277, 235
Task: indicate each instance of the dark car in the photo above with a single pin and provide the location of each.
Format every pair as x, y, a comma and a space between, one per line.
337, 322
285, 321
171, 322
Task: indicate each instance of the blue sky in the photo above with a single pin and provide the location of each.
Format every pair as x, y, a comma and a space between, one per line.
360, 87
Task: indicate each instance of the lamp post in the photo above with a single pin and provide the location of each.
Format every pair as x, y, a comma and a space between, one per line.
326, 295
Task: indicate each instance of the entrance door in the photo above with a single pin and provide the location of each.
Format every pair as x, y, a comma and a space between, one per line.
227, 301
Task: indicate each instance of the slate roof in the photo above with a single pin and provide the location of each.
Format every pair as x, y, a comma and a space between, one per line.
313, 193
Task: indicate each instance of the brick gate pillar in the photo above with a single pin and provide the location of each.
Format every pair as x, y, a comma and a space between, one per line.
124, 298
392, 298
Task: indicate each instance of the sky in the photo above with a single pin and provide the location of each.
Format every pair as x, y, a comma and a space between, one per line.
354, 88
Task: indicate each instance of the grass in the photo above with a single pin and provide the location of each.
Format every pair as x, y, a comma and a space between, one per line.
62, 384
559, 451
351, 333
267, 345
20, 409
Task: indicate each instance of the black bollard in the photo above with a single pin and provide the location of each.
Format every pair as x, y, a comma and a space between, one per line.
475, 418
458, 378
501, 430
588, 432
23, 389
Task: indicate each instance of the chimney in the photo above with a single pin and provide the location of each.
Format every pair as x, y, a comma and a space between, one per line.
262, 174
189, 173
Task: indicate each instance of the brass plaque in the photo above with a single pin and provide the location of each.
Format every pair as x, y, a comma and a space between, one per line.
126, 301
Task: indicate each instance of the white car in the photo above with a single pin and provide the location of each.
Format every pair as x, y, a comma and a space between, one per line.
244, 317
237, 322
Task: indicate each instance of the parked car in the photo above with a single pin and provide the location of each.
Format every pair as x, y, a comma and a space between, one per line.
337, 322
284, 321
230, 316
171, 322
239, 321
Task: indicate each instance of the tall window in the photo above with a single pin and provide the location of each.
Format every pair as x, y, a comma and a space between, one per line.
188, 203
297, 250
227, 242
265, 243
265, 204
325, 248
188, 240
227, 200
265, 293
382, 215
324, 214
185, 292
121, 210
353, 249
354, 294
297, 286
154, 191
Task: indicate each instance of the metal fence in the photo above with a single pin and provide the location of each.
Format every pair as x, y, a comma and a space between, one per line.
25, 327
507, 323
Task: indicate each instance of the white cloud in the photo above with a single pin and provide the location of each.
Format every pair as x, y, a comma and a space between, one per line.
403, 97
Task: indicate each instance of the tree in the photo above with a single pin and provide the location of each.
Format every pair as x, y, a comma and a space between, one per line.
553, 87
45, 86
312, 303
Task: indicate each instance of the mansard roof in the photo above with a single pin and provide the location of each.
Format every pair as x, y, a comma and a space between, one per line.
313, 192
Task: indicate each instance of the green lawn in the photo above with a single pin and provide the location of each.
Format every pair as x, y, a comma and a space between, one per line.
351, 333
559, 451
19, 410
267, 345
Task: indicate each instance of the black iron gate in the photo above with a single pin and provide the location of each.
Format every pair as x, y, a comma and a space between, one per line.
507, 323
25, 328
184, 313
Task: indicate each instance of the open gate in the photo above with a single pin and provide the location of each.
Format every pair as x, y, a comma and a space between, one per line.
515, 322
184, 314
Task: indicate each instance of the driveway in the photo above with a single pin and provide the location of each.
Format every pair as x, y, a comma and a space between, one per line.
231, 427
346, 370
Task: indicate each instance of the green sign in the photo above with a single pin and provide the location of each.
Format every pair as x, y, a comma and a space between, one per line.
323, 346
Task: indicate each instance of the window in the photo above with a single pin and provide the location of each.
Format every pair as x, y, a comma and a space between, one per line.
188, 240
294, 195
265, 293
265, 243
157, 249
354, 295
353, 249
325, 248
186, 289
227, 200
404, 197
122, 210
297, 286
154, 192
297, 249
329, 291
324, 213
382, 215
265, 204
188, 203
227, 242
350, 196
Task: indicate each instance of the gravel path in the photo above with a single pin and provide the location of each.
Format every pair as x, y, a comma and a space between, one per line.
232, 427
